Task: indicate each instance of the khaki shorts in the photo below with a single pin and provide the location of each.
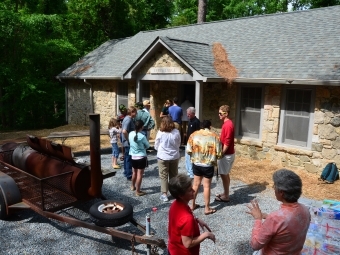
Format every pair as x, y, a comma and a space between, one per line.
225, 164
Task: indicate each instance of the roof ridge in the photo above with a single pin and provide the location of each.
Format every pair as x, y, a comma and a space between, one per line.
179, 40
241, 18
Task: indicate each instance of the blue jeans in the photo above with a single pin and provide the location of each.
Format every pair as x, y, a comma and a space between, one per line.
115, 150
127, 163
188, 164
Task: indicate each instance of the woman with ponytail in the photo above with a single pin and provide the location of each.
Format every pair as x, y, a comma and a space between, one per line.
138, 146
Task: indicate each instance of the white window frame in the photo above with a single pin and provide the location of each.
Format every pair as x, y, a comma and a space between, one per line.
292, 143
122, 95
238, 115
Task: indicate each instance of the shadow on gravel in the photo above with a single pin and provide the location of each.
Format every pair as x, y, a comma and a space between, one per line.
243, 194
243, 248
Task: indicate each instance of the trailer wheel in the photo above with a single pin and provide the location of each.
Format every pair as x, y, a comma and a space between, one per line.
3, 207
111, 213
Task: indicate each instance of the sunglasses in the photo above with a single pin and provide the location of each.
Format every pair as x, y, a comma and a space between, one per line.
221, 113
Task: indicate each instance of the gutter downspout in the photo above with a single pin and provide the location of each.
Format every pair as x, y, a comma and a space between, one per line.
91, 95
66, 100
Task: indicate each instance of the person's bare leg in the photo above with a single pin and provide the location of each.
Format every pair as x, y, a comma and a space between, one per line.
114, 161
140, 173
196, 184
206, 194
133, 178
226, 183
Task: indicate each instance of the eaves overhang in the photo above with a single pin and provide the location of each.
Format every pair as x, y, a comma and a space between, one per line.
313, 82
89, 77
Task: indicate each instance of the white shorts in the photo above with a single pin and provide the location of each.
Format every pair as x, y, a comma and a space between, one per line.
225, 164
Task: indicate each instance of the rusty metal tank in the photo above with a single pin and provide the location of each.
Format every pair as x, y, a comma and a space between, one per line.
43, 159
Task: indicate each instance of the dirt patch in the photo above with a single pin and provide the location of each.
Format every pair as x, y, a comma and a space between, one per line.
246, 170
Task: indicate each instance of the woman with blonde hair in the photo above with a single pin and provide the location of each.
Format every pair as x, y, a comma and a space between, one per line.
167, 142
114, 133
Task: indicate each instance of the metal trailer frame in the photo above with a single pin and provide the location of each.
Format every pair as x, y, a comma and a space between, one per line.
21, 190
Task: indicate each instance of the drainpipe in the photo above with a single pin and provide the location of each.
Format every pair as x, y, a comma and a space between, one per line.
66, 100
91, 95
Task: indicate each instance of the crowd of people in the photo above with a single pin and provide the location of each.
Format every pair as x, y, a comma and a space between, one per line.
280, 232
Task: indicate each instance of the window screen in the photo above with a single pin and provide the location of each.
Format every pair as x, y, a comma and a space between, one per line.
250, 111
122, 95
296, 117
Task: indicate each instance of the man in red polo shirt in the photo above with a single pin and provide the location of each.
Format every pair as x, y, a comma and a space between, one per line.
228, 153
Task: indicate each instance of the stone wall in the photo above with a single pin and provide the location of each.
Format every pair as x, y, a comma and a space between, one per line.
104, 100
163, 58
78, 98
326, 129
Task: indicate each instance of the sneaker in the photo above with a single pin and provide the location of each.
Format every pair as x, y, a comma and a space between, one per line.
164, 198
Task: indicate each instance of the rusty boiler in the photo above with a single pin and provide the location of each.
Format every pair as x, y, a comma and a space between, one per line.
43, 159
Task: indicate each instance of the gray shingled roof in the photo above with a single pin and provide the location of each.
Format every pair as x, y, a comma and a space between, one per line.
293, 45
198, 55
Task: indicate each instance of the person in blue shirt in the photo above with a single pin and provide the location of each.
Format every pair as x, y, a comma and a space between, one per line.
176, 113
138, 145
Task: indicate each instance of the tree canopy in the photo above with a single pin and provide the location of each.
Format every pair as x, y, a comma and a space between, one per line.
40, 38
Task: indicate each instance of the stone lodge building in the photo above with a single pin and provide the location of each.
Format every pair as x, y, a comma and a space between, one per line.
285, 101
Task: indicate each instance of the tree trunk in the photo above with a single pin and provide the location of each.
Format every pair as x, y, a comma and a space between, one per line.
202, 11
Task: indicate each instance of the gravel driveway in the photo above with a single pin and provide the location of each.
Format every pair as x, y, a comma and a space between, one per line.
29, 233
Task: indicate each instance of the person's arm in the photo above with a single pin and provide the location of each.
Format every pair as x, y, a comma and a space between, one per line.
162, 114
189, 145
262, 233
226, 134
189, 242
218, 148
145, 142
177, 138
157, 140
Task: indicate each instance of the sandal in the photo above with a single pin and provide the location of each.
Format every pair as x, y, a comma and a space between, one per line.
132, 188
141, 193
219, 198
211, 211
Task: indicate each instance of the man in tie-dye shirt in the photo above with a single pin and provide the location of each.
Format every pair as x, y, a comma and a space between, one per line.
204, 148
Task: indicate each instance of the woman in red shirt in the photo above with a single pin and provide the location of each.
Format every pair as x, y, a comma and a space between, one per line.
184, 233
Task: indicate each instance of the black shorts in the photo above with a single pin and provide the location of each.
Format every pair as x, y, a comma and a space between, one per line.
139, 163
205, 171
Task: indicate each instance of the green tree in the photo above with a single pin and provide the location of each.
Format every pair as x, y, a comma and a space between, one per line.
33, 50
150, 14
185, 12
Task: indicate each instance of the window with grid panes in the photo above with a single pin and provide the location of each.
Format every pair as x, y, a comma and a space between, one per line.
250, 111
296, 117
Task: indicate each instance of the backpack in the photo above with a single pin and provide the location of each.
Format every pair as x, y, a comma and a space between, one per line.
330, 173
